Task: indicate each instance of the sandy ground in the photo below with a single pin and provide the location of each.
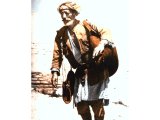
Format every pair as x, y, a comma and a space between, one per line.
45, 107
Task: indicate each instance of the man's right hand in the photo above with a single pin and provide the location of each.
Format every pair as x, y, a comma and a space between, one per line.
54, 79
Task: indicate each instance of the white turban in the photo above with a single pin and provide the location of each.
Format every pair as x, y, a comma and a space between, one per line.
70, 5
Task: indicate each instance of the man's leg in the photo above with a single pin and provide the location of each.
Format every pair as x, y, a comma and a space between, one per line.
84, 111
98, 109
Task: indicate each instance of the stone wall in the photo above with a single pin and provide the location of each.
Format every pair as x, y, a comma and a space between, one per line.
41, 83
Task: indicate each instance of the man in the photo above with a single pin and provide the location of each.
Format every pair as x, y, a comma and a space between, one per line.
72, 40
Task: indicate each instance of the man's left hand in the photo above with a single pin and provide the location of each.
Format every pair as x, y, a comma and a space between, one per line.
98, 50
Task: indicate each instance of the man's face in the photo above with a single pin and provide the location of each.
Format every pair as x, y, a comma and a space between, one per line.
67, 16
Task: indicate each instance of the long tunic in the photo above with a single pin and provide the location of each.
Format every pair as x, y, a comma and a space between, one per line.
87, 92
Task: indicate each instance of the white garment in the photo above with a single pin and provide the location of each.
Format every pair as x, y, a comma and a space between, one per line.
87, 92
75, 50
90, 92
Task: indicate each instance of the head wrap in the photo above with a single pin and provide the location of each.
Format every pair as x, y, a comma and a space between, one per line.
70, 5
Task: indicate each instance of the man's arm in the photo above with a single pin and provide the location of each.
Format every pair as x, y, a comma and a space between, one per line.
56, 60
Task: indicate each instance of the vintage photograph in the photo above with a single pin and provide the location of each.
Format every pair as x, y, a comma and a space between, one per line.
79, 60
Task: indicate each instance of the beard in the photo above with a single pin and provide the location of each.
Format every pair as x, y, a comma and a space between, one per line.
68, 23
